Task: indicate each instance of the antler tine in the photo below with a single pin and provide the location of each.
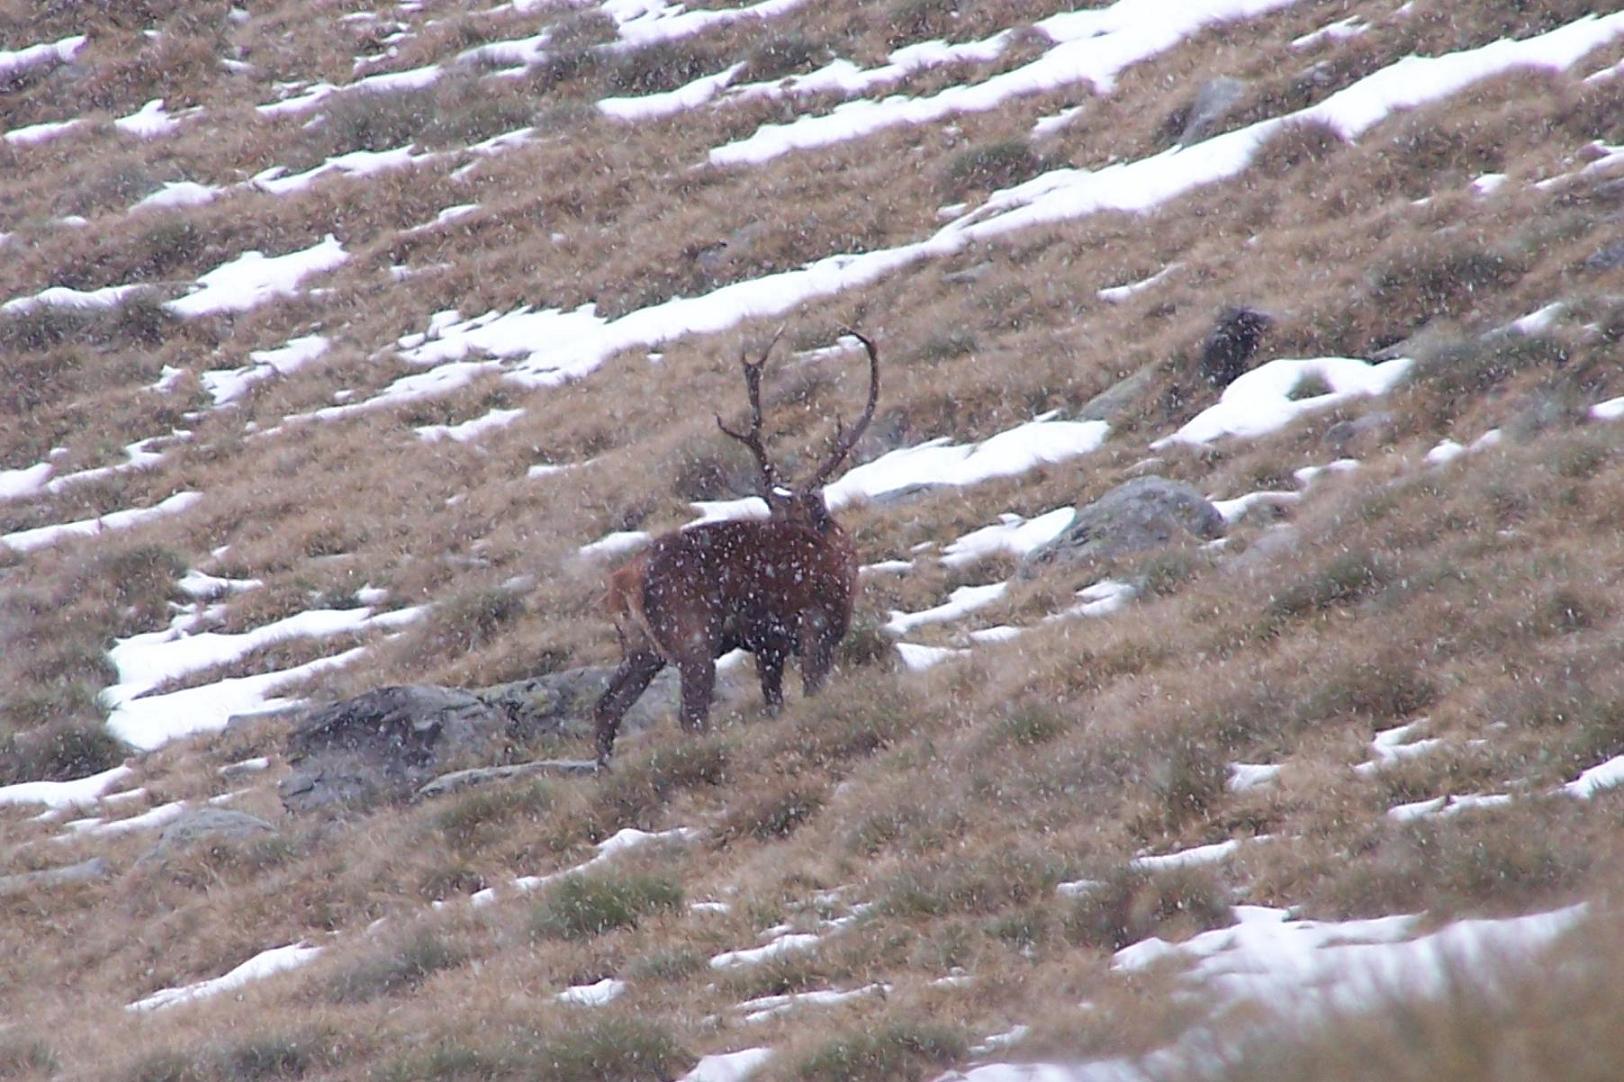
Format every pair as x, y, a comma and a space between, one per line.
752, 437
846, 438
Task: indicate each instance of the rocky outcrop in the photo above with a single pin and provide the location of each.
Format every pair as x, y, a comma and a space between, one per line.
1144, 514
386, 744
383, 743
1111, 404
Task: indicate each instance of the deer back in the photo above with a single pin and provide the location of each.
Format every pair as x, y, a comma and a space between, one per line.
741, 582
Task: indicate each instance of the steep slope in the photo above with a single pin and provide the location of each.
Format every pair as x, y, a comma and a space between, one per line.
346, 346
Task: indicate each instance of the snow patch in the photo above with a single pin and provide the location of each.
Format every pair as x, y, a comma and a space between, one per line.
253, 278
261, 965
592, 995
40, 536
226, 385
64, 794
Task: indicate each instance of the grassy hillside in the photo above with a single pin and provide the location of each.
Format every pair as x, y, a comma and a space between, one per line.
507, 259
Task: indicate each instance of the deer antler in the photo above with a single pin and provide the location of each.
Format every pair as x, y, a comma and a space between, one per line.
752, 437
846, 439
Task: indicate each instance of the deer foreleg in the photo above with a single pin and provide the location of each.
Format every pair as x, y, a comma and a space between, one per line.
628, 682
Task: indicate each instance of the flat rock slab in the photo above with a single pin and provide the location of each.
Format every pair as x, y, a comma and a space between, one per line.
458, 780
86, 871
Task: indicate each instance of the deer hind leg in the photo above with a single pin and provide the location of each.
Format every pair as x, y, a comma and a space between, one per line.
698, 681
629, 681
818, 640
770, 658
817, 658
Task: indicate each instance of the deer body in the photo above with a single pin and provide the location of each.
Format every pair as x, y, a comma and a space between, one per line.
779, 588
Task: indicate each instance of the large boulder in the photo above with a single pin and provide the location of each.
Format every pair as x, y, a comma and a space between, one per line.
1144, 514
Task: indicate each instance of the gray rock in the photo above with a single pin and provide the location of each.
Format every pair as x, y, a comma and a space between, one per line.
238, 771
199, 824
722, 258
384, 743
1558, 406
560, 703
1138, 516
1272, 546
86, 871
1606, 258
968, 274
1121, 396
1213, 103
1423, 344
1357, 434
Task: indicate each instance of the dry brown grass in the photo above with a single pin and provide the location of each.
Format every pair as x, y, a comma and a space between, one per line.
1480, 595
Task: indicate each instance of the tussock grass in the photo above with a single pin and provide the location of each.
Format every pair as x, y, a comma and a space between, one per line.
138, 320
1463, 863
890, 1048
589, 905
1130, 905
774, 811
635, 792
670, 965
24, 1056
990, 166
934, 885
57, 750
471, 820
630, 1048
400, 969
614, 1047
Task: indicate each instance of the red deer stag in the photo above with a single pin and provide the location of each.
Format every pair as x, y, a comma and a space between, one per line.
776, 587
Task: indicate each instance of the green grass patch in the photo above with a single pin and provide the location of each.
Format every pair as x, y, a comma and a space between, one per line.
1129, 905
476, 818
583, 906
639, 787
402, 968
1348, 577
894, 1049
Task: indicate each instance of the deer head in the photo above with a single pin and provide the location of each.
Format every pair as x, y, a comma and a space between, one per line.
802, 503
